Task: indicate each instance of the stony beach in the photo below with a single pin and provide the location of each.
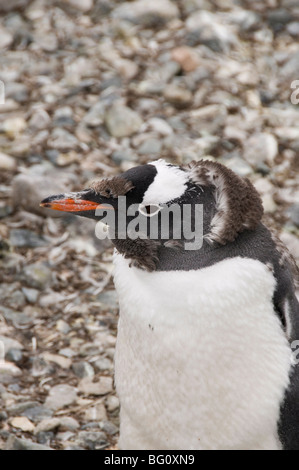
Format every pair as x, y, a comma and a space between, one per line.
90, 88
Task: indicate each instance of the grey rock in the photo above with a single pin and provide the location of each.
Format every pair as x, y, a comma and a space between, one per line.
6, 7
177, 95
18, 408
17, 91
81, 5
37, 413
14, 355
293, 28
60, 396
12, 296
239, 166
6, 38
62, 140
150, 146
40, 119
38, 275
103, 364
109, 428
278, 18
10, 343
260, 147
102, 387
28, 190
48, 424
83, 369
67, 423
125, 155
108, 299
96, 114
293, 213
208, 29
290, 69
122, 121
112, 403
142, 12
15, 443
7, 162
23, 238
31, 295
92, 440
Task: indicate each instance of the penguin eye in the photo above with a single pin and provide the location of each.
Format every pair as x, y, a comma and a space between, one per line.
149, 210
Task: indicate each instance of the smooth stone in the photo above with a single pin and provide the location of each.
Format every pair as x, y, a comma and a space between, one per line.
7, 162
83, 369
293, 213
102, 387
31, 295
14, 355
150, 146
147, 14
38, 275
92, 440
23, 423
10, 343
96, 413
37, 413
260, 147
48, 424
122, 121
15, 443
177, 95
23, 238
60, 396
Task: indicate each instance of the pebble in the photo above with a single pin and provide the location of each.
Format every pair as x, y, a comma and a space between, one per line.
102, 387
293, 213
6, 38
23, 423
142, 12
31, 295
38, 275
14, 355
81, 5
112, 403
15, 443
14, 126
10, 343
177, 95
96, 413
61, 361
82, 369
60, 396
186, 57
259, 148
160, 125
28, 190
62, 140
23, 238
293, 28
7, 162
37, 413
150, 147
48, 424
122, 121
92, 440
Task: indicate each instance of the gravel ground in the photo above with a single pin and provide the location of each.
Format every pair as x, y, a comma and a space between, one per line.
92, 88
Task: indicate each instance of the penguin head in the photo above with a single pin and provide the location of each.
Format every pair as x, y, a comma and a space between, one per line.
230, 204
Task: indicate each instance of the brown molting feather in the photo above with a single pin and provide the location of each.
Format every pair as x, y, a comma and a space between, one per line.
112, 187
238, 203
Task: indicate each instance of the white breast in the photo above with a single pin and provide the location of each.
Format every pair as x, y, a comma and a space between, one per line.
201, 358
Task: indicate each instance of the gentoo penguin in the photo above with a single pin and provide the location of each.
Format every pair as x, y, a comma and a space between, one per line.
204, 354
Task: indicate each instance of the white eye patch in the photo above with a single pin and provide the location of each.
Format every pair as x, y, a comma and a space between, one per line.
149, 210
169, 184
